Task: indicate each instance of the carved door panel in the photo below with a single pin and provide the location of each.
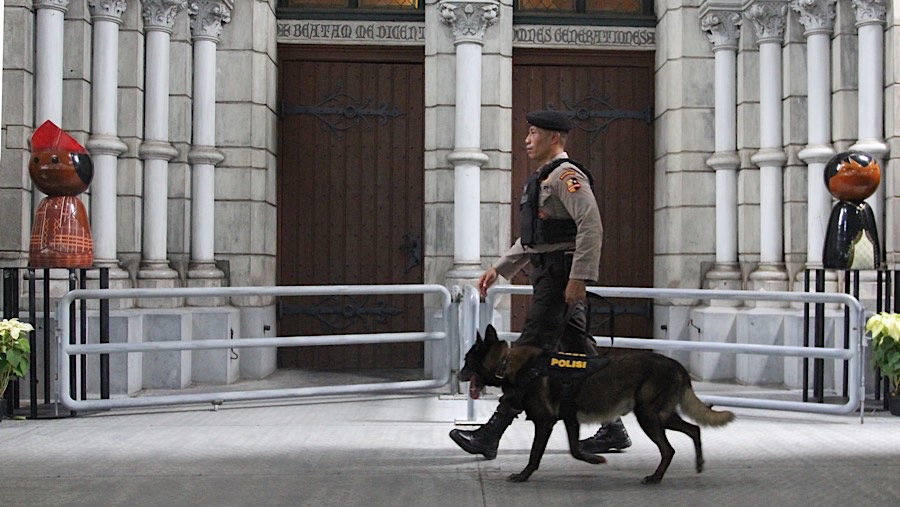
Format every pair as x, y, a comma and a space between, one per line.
610, 98
350, 199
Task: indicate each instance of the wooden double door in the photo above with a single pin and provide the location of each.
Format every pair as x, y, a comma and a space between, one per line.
351, 185
609, 96
350, 199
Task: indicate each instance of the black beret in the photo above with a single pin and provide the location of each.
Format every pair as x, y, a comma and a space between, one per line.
550, 120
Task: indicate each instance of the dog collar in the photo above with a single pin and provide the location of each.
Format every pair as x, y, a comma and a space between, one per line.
500, 370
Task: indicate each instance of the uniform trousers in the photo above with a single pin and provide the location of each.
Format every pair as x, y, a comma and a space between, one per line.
550, 323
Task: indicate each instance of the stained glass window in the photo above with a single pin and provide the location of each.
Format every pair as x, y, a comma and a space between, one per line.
561, 6
619, 6
393, 4
351, 4
525, 6
313, 3
547, 5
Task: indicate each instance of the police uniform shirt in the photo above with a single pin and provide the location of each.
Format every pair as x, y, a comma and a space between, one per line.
565, 193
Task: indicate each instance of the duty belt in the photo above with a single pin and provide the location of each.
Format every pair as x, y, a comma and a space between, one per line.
547, 258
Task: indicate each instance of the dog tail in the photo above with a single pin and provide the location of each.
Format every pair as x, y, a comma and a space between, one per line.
694, 408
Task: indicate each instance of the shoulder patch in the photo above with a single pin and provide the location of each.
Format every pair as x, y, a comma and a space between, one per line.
568, 172
572, 184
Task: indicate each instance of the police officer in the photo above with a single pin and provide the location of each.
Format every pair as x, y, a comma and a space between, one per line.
560, 236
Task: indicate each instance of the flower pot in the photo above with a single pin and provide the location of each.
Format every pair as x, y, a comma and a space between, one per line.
894, 404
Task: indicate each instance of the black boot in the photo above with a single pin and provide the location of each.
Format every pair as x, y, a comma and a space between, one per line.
486, 438
609, 437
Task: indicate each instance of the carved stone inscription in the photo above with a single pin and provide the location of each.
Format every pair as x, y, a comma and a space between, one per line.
587, 37
303, 31
413, 34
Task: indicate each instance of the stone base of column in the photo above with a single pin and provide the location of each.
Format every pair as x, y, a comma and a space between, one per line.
205, 275
118, 279
158, 275
831, 283
868, 286
724, 276
59, 286
769, 277
464, 274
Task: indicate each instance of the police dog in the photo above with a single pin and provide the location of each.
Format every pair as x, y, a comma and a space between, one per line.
649, 384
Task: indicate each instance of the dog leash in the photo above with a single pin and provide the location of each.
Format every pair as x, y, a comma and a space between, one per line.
570, 312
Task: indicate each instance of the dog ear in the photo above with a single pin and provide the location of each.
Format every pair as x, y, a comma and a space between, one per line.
490, 334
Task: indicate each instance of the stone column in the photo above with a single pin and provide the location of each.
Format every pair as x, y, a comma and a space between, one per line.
207, 20
817, 18
722, 27
870, 18
156, 150
104, 143
468, 20
48, 65
768, 19
2, 10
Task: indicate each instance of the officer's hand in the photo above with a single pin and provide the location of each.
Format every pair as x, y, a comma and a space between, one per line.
576, 291
487, 279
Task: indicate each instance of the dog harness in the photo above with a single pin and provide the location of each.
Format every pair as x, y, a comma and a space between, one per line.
567, 369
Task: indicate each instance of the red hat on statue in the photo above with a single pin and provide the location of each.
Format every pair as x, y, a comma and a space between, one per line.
50, 137
59, 164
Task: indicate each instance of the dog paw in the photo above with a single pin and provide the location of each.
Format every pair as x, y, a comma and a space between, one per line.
520, 477
651, 479
594, 459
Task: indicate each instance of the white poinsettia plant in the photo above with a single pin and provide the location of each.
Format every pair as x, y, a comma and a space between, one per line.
15, 350
885, 329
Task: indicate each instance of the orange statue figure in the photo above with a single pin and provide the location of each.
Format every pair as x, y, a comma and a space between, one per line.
62, 169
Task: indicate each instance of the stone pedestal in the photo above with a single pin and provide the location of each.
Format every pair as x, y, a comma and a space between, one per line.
125, 370
769, 277
724, 276
159, 279
258, 322
168, 369
760, 326
718, 325
220, 366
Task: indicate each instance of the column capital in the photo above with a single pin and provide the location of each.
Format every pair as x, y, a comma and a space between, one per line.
724, 161
474, 157
107, 10
205, 155
769, 157
722, 28
816, 153
159, 15
100, 144
469, 19
157, 150
816, 16
769, 18
869, 12
208, 17
59, 5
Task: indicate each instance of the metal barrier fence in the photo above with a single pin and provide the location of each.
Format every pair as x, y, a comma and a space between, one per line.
68, 350
470, 321
853, 354
468, 329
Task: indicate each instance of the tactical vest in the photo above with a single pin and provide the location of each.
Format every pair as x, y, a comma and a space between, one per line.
534, 230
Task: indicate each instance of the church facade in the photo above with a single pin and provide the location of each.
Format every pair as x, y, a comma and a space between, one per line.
264, 142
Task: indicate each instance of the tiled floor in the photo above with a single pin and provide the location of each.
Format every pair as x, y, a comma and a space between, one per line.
394, 450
